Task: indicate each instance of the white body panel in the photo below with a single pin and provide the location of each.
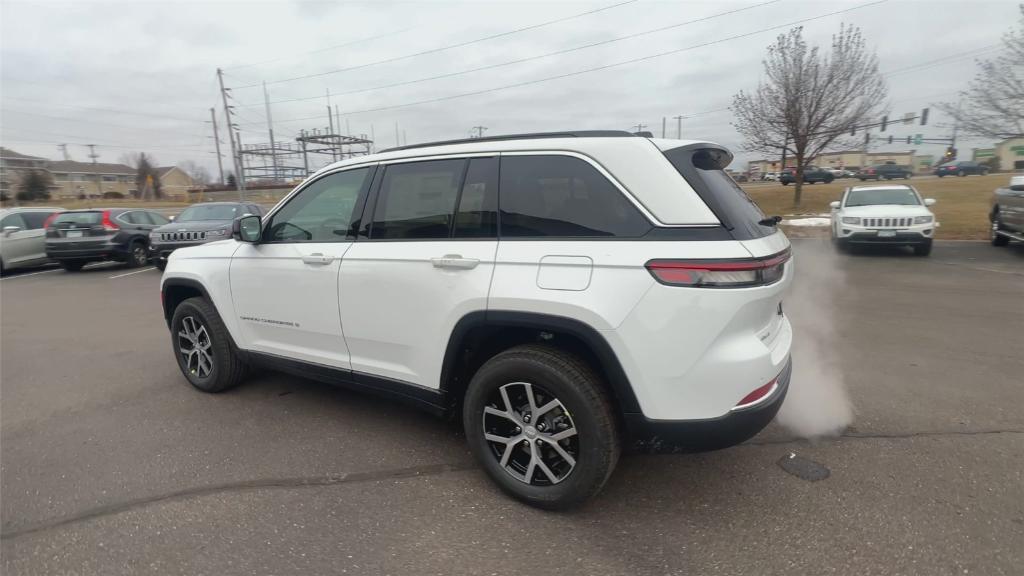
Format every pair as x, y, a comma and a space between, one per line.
209, 265
27, 246
286, 300
399, 305
883, 217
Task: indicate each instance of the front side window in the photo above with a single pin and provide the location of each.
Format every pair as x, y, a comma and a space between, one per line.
13, 220
158, 219
35, 220
322, 211
563, 196
417, 200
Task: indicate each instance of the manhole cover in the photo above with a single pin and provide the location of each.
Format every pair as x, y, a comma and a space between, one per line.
803, 468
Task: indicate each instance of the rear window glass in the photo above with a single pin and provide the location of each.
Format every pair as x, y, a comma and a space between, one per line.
703, 168
562, 196
78, 218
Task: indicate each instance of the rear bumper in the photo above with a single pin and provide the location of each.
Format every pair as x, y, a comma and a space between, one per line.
99, 251
737, 426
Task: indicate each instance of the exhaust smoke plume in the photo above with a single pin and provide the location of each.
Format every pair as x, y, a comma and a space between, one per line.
817, 403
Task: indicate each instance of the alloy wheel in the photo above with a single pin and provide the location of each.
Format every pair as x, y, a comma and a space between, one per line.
531, 434
195, 346
139, 255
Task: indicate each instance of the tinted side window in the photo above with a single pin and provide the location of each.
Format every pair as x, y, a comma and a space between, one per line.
477, 216
132, 218
321, 212
157, 218
35, 220
565, 197
13, 220
417, 200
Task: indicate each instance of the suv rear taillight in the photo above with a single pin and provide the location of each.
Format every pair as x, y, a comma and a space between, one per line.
739, 273
108, 224
49, 220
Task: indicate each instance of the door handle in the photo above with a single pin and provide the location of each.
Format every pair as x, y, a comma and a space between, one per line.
317, 258
454, 261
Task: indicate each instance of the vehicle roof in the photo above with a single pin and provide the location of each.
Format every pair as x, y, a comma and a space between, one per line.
882, 187
649, 178
14, 209
221, 203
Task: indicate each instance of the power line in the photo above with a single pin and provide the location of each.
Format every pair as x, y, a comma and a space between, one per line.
442, 48
115, 111
530, 58
121, 126
929, 63
325, 49
597, 68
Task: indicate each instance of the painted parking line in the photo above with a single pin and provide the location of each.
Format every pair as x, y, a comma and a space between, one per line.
32, 274
130, 273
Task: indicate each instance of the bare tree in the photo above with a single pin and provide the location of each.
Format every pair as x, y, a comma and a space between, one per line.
810, 100
147, 178
993, 104
199, 174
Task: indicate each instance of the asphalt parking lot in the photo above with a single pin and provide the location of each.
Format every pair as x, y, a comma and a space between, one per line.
111, 464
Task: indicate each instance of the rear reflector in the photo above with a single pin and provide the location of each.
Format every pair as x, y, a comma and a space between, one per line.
738, 273
757, 395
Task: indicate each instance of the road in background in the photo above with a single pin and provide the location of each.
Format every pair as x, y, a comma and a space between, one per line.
112, 464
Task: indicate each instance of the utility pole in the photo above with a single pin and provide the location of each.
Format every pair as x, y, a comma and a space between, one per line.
64, 151
270, 129
92, 152
373, 140
305, 157
663, 120
99, 178
216, 144
640, 127
479, 131
405, 138
679, 126
397, 141
236, 152
330, 126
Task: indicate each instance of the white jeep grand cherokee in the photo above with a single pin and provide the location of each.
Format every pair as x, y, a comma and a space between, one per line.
893, 214
567, 293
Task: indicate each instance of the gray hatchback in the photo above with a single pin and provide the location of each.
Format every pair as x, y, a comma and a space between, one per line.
197, 224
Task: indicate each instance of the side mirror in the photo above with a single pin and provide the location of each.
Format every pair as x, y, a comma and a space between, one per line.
246, 229
171, 218
8, 230
834, 205
929, 201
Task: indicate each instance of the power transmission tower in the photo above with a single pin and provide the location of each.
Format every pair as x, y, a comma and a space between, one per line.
679, 126
236, 156
216, 143
479, 131
64, 151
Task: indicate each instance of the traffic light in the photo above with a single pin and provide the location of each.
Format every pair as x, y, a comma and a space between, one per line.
890, 138
924, 117
885, 122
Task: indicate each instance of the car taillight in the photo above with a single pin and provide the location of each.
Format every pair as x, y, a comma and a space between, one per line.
108, 224
757, 395
739, 273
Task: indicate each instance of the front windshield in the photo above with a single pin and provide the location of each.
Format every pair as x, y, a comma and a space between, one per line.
214, 212
875, 196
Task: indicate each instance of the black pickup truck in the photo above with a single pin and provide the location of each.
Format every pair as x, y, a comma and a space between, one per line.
812, 174
1007, 214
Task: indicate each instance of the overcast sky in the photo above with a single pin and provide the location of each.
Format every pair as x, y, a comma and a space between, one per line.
141, 75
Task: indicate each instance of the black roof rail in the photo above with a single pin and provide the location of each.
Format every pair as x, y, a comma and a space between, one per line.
573, 134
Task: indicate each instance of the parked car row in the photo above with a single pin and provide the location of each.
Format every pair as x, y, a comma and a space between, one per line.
133, 236
1007, 215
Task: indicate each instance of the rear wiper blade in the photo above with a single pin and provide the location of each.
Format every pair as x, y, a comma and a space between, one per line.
770, 221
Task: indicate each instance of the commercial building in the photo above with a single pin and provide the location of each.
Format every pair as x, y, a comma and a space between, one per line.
1007, 155
847, 160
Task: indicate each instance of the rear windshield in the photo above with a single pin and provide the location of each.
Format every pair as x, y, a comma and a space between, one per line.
703, 169
78, 218
876, 196
215, 212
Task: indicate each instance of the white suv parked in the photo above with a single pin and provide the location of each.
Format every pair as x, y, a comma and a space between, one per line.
892, 214
567, 294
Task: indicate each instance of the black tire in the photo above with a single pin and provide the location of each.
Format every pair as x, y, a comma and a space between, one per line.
906, 176
137, 256
226, 369
940, 175
998, 239
72, 265
923, 249
961, 173
555, 375
785, 183
160, 264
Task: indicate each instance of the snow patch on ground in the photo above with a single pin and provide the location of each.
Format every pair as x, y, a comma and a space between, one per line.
815, 221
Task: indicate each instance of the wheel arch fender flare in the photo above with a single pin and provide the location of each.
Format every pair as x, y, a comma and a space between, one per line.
172, 285
598, 346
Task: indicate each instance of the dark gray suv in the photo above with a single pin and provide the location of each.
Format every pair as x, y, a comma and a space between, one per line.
197, 224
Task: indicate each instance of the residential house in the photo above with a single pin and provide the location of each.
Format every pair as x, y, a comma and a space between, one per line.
91, 179
174, 182
13, 165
